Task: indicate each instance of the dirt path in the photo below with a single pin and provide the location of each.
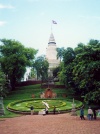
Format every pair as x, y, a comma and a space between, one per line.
49, 124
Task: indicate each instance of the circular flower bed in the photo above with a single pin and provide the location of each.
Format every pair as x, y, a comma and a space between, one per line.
23, 106
39, 105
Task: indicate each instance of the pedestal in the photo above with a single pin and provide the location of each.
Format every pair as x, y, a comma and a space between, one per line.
73, 111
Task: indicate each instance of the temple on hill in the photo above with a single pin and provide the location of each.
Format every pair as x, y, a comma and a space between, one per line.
51, 54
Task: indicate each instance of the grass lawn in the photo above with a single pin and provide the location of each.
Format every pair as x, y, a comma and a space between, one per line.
26, 93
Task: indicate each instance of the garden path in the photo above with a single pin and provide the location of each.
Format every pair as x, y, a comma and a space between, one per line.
49, 124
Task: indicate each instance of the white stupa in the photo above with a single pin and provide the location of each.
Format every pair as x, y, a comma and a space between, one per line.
51, 53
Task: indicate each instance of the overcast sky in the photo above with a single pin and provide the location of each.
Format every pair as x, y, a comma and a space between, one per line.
29, 21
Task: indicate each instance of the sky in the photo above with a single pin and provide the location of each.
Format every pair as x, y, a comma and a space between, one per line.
30, 22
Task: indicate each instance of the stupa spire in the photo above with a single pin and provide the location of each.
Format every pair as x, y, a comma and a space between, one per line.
52, 39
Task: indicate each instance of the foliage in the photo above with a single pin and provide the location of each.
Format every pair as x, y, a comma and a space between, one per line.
69, 56
32, 73
86, 71
80, 48
4, 84
66, 67
14, 59
62, 73
55, 72
80, 69
60, 52
93, 96
23, 93
24, 105
41, 65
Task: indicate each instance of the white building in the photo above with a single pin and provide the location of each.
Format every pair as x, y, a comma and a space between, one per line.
51, 54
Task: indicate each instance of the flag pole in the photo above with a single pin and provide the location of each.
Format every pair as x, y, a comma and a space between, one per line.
51, 26
53, 22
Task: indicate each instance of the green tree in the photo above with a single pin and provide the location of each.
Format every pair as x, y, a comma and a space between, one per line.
55, 72
86, 71
93, 42
41, 65
69, 56
14, 59
66, 67
80, 48
62, 73
80, 70
60, 52
4, 84
32, 73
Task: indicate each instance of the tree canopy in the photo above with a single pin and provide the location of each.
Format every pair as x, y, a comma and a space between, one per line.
4, 84
60, 52
86, 71
14, 58
80, 69
41, 65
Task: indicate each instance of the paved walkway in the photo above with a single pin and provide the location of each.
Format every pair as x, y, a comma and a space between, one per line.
49, 124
